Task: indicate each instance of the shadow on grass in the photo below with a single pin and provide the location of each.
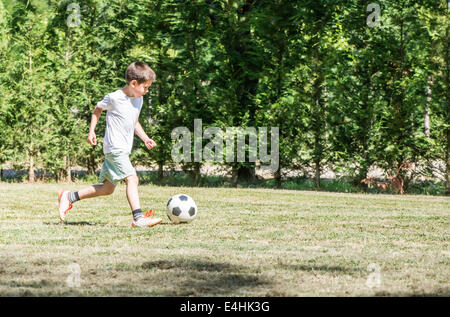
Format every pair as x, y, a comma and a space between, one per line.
192, 265
199, 277
436, 293
322, 268
82, 223
73, 223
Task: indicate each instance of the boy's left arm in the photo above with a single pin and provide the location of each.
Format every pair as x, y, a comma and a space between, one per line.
139, 131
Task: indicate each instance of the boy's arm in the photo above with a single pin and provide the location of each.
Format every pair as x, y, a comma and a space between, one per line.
139, 131
92, 138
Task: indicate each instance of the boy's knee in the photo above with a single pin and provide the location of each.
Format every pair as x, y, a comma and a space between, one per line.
108, 188
133, 179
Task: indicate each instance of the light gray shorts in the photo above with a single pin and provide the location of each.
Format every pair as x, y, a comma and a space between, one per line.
117, 166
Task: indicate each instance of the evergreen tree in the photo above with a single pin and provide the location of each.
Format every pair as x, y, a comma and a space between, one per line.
27, 83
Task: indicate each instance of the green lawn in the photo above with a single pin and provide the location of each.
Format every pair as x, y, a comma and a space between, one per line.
244, 242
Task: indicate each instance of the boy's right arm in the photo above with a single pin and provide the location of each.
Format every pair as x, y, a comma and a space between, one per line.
92, 138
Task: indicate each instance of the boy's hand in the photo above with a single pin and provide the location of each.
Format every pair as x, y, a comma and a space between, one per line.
92, 138
149, 143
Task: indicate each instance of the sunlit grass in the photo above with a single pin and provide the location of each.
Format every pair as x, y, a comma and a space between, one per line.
245, 242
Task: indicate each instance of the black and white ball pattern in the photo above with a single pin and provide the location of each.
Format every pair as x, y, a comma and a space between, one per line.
181, 208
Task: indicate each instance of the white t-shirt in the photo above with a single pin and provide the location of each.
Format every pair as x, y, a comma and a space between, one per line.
121, 117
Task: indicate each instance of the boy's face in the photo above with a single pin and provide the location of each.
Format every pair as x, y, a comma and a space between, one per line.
139, 90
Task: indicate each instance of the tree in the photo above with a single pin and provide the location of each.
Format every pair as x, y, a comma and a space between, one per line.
28, 83
4, 133
279, 37
238, 61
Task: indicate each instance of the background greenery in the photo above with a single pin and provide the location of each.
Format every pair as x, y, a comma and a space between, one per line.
346, 96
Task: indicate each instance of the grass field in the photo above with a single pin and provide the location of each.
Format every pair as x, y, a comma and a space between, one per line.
244, 242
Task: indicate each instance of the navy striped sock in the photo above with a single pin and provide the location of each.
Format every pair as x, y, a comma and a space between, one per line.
137, 214
73, 197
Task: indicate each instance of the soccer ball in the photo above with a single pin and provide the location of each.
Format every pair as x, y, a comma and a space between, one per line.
181, 208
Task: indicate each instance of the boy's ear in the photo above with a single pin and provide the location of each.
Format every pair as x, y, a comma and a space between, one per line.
133, 83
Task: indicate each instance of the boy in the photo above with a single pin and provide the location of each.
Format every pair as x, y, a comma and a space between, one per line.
123, 107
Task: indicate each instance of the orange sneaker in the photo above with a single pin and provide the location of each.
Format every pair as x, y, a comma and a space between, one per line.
147, 220
64, 204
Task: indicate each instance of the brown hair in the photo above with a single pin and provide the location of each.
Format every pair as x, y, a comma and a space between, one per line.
140, 72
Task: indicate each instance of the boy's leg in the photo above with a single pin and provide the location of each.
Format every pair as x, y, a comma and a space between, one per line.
132, 182
139, 220
107, 188
66, 198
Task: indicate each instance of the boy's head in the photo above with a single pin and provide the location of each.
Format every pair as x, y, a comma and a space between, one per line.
139, 77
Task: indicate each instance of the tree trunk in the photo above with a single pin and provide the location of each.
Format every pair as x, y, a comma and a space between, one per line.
68, 171
31, 164
447, 172
447, 86
362, 174
197, 174
234, 175
317, 174
246, 173
194, 172
318, 120
31, 149
277, 176
160, 170
426, 120
325, 106
427, 108
281, 120
91, 166
242, 173
240, 47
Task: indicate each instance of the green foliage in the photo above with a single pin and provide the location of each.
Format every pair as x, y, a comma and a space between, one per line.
344, 94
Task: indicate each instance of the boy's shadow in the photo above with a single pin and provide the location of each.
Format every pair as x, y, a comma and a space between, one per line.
87, 223
76, 223
81, 223
168, 223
